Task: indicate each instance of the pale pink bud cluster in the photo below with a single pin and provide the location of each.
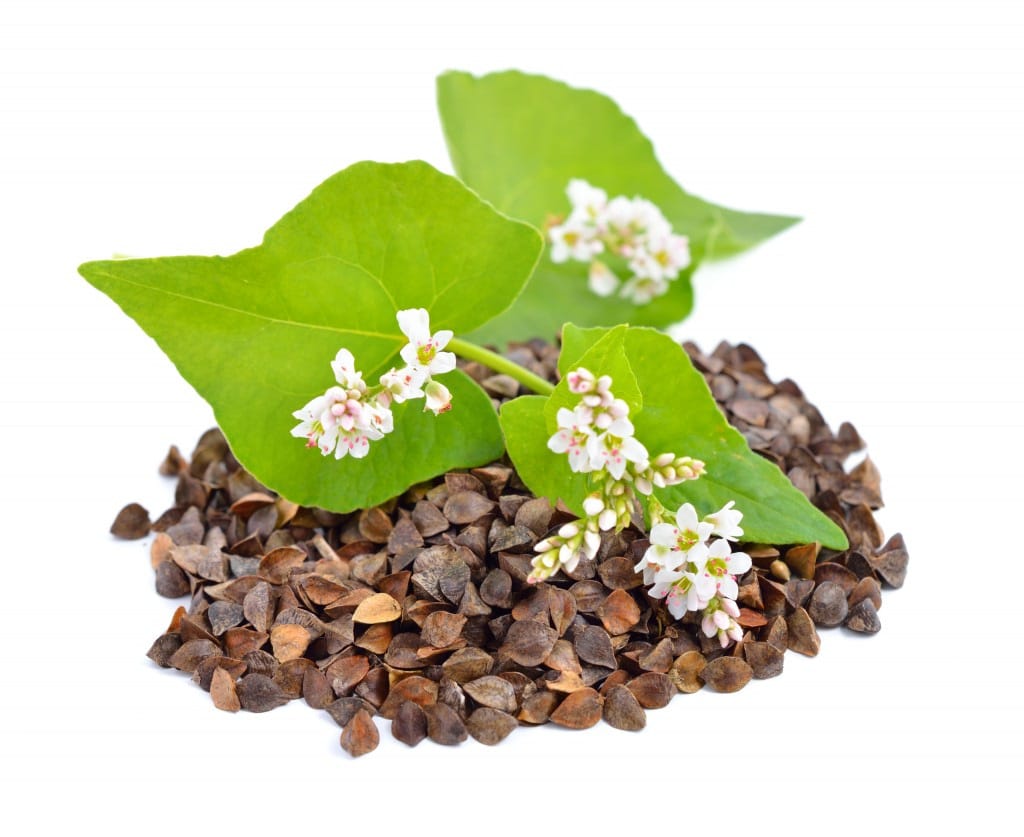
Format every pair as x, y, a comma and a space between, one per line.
693, 573
347, 417
630, 229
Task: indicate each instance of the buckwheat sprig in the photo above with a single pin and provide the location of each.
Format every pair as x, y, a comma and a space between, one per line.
347, 417
599, 439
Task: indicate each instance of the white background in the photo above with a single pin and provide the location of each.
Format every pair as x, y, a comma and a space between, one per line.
159, 128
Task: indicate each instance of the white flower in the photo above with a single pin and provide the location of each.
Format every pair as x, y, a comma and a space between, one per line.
640, 290
601, 396
404, 384
668, 254
317, 422
661, 555
424, 349
723, 565
439, 399
688, 529
576, 240
601, 280
647, 218
344, 367
725, 522
689, 594
571, 437
620, 219
378, 420
586, 200
616, 446
663, 582
354, 444
685, 588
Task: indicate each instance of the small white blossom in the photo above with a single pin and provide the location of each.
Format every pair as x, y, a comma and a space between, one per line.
586, 200
688, 529
424, 349
690, 593
344, 368
574, 240
725, 522
404, 384
311, 422
724, 565
664, 556
347, 413
640, 290
378, 417
622, 221
613, 448
607, 520
571, 438
354, 444
601, 279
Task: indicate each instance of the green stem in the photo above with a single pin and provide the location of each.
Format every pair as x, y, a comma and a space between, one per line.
492, 360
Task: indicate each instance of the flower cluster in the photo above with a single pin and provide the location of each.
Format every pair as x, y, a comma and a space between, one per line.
630, 229
693, 573
598, 438
348, 416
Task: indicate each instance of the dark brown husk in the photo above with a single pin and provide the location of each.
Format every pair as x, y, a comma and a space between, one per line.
418, 610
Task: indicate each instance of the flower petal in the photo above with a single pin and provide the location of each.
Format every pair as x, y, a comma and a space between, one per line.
415, 324
727, 587
442, 363
738, 563
686, 517
663, 534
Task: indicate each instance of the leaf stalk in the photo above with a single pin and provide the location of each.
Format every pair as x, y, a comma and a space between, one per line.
492, 360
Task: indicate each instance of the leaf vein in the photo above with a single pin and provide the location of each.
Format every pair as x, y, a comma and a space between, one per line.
255, 315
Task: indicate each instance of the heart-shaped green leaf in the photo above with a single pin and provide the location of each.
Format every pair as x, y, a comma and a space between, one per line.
518, 139
255, 332
679, 415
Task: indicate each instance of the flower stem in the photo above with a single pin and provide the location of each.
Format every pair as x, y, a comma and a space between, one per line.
492, 360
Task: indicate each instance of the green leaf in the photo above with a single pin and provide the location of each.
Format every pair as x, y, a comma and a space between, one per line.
679, 415
576, 342
255, 332
526, 438
518, 139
